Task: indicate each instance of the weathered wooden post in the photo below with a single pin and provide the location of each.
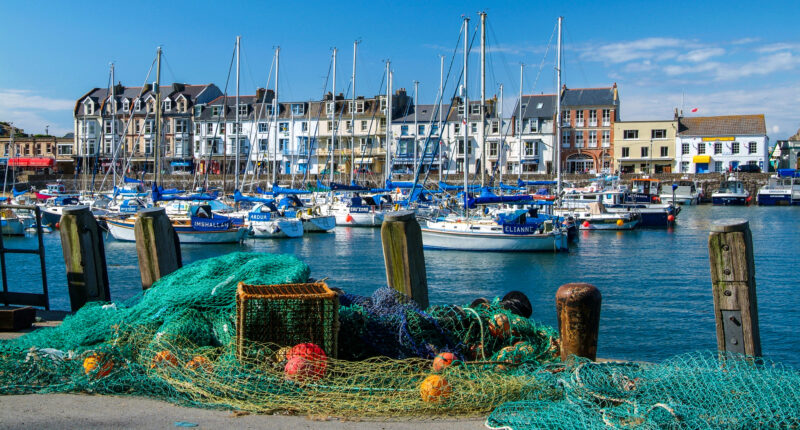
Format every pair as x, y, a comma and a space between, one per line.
84, 256
733, 282
157, 245
401, 237
578, 312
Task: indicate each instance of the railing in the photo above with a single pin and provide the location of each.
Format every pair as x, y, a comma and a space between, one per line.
27, 299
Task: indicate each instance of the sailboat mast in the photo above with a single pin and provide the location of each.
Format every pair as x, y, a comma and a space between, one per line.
502, 145
353, 118
113, 126
416, 127
236, 123
483, 99
558, 112
158, 120
276, 109
466, 114
333, 119
388, 121
519, 120
441, 98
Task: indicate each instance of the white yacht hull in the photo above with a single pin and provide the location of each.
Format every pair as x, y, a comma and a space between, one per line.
124, 231
277, 228
464, 241
359, 219
319, 224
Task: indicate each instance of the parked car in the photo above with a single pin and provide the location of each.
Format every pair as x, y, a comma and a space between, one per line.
748, 168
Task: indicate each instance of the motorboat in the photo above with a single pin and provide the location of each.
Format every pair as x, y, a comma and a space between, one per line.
683, 192
595, 216
731, 193
57, 189
208, 229
266, 220
496, 235
10, 224
356, 211
781, 189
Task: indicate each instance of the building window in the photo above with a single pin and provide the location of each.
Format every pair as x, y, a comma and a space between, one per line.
263, 145
382, 123
630, 134
107, 127
137, 105
242, 109
215, 110
718, 166
329, 108
262, 127
752, 148
420, 129
63, 149
579, 139
475, 109
283, 127
148, 126
461, 110
579, 118
565, 139
126, 105
592, 118
167, 105
752, 163
565, 118
530, 149
495, 127
298, 109
303, 126
180, 126
328, 126
665, 151
473, 127
718, 148
735, 148
348, 126
209, 128
606, 117
701, 148
658, 133
403, 130
383, 104
606, 138
235, 128
493, 149
626, 152
457, 128
684, 148
283, 145
363, 126
645, 151
435, 129
684, 166
593, 138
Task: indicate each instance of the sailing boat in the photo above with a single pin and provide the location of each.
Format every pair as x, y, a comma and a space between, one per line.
517, 232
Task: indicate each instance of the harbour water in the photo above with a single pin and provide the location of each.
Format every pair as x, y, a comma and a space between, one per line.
655, 284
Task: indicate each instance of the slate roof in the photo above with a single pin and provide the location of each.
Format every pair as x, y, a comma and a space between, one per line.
193, 93
728, 125
572, 97
531, 107
425, 113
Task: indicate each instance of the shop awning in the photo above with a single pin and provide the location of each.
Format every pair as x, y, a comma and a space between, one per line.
31, 162
701, 159
181, 163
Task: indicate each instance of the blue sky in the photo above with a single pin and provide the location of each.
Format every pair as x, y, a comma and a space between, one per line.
721, 57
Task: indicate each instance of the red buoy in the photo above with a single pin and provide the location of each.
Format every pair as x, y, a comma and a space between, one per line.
586, 224
58, 225
671, 218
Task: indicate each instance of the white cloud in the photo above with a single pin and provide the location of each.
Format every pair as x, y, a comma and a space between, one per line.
781, 46
776, 128
765, 65
32, 112
635, 50
745, 41
703, 54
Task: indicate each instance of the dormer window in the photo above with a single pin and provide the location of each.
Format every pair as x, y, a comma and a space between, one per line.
151, 106
329, 107
137, 105
383, 104
297, 109
167, 105
358, 108
89, 107
242, 109
461, 109
215, 110
126, 105
475, 109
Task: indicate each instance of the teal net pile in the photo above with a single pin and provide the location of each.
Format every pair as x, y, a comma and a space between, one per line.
178, 342
704, 390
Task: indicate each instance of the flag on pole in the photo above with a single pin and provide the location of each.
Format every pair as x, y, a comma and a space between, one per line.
694, 110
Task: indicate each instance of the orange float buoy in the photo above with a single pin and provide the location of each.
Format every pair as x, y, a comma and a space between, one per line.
92, 364
499, 326
434, 389
670, 218
586, 224
443, 360
305, 361
58, 225
199, 362
164, 358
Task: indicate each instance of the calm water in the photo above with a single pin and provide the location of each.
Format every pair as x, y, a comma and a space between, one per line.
655, 283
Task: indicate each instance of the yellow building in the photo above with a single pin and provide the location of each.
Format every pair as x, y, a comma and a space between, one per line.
645, 146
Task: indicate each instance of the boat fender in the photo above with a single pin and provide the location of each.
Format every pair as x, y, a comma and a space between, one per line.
317, 210
298, 214
396, 207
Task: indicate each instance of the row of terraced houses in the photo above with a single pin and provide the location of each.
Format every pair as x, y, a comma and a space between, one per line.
199, 132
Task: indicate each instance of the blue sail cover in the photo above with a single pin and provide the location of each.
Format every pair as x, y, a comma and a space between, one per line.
170, 191
789, 173
128, 180
18, 193
278, 190
157, 196
290, 201
322, 187
447, 187
492, 199
239, 197
522, 183
393, 185
503, 186
352, 187
217, 223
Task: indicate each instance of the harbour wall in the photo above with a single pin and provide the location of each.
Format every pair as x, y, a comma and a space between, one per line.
707, 181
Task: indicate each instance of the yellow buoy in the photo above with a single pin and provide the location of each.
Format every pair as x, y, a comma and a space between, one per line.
620, 222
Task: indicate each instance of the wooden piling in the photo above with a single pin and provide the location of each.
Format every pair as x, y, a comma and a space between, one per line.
730, 253
401, 237
578, 312
157, 245
84, 256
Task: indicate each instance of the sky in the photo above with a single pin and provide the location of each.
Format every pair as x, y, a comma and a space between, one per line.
721, 57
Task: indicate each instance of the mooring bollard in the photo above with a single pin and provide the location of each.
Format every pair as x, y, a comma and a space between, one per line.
733, 283
401, 237
578, 312
157, 245
84, 256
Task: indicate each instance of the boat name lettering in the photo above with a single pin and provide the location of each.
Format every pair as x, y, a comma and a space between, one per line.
519, 229
360, 209
259, 216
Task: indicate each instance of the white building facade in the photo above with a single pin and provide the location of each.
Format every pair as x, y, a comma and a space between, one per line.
721, 143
